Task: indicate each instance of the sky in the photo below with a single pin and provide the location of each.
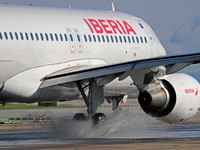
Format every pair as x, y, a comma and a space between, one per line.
175, 22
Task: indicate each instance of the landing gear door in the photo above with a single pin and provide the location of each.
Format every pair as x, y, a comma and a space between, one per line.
151, 37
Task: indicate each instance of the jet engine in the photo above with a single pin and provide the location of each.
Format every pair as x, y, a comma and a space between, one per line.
178, 99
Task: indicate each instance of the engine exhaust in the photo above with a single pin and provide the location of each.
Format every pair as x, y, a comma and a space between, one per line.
155, 100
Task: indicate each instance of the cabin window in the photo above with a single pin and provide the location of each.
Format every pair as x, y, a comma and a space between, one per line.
78, 37
141, 39
124, 39
41, 35
32, 36
90, 38
137, 39
145, 39
11, 36
51, 36
1, 36
56, 37
6, 36
103, 38
120, 38
66, 39
71, 37
16, 36
47, 38
116, 39
61, 37
36, 35
21, 35
85, 37
94, 38
133, 39
107, 38
26, 35
99, 38
129, 40
111, 37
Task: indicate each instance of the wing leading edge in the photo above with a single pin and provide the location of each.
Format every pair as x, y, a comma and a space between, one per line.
172, 64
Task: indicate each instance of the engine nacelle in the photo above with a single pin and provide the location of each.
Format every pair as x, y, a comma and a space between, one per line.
177, 100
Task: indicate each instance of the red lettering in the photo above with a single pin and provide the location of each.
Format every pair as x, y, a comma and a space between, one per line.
128, 28
105, 26
88, 25
121, 26
114, 26
96, 26
109, 26
189, 91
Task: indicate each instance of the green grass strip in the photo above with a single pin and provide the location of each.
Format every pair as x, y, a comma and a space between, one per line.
27, 106
14, 121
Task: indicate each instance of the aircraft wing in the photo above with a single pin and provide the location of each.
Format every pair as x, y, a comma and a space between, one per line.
172, 64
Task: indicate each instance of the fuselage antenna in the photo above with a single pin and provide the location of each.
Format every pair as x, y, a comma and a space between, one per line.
113, 7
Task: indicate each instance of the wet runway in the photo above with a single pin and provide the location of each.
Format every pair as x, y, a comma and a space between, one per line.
131, 129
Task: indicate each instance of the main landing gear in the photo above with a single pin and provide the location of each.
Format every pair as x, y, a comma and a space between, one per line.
80, 117
95, 98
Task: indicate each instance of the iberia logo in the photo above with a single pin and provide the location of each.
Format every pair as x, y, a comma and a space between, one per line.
187, 91
109, 26
196, 93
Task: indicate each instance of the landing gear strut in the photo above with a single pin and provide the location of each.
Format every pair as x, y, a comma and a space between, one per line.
94, 99
115, 100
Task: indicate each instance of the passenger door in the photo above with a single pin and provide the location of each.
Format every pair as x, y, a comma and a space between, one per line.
71, 40
78, 40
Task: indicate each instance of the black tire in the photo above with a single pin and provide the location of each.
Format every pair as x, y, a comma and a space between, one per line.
80, 117
99, 118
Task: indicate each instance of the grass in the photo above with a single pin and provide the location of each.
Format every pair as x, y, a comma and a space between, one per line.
26, 106
10, 106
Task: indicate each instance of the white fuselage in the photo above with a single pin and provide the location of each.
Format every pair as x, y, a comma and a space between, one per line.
38, 41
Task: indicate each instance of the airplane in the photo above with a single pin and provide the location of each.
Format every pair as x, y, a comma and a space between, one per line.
56, 54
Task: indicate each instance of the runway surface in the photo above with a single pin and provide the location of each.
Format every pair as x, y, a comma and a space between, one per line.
131, 129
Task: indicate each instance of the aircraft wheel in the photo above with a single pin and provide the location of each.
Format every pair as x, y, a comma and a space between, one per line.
80, 117
98, 118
